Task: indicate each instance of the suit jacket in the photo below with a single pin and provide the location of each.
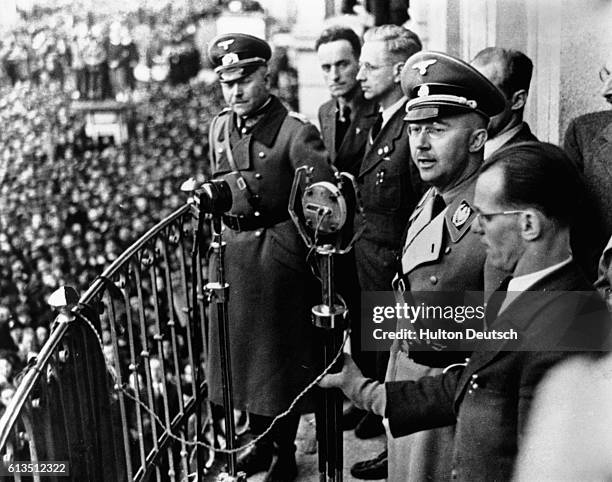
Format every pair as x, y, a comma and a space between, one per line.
348, 155
588, 142
390, 187
270, 283
489, 398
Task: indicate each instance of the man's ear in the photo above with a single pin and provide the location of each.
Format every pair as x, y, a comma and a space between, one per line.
397, 71
518, 100
477, 139
532, 224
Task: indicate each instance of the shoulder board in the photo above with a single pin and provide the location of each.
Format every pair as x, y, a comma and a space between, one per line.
301, 117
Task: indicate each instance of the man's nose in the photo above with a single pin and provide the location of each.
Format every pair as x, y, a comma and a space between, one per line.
361, 73
476, 227
421, 140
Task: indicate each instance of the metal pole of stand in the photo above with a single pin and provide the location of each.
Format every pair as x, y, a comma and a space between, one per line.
329, 318
220, 291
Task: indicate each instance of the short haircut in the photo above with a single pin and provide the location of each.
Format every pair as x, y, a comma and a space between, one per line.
401, 42
335, 33
541, 176
517, 68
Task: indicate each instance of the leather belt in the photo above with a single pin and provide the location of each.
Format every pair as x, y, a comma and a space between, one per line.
250, 223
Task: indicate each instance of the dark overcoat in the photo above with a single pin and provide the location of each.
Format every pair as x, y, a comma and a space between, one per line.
588, 142
349, 154
271, 287
489, 399
390, 187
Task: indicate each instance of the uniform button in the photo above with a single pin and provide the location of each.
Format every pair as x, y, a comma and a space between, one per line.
470, 392
386, 149
474, 377
474, 386
258, 232
243, 130
256, 214
257, 175
433, 280
220, 150
447, 250
380, 151
262, 154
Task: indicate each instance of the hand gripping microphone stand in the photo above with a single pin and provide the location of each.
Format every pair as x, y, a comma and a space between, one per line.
325, 222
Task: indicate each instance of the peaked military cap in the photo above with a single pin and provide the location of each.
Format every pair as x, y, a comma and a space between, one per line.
437, 84
236, 55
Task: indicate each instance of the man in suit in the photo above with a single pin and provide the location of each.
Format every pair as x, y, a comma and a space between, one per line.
588, 142
550, 311
388, 181
345, 122
510, 71
347, 117
256, 146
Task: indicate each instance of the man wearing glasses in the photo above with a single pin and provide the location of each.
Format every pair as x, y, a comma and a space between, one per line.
522, 216
447, 115
388, 181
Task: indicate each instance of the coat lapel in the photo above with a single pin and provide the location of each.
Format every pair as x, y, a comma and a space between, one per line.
357, 133
384, 144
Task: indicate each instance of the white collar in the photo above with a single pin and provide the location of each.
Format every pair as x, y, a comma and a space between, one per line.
392, 109
523, 283
495, 143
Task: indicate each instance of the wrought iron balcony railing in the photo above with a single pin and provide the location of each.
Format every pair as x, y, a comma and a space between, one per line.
116, 391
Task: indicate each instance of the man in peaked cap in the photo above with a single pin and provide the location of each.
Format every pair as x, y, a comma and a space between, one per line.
448, 109
255, 146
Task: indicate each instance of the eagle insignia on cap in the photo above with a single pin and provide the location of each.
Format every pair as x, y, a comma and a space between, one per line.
423, 91
423, 65
225, 43
229, 59
462, 214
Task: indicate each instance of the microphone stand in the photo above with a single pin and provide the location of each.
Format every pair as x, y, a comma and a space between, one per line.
324, 210
219, 294
329, 317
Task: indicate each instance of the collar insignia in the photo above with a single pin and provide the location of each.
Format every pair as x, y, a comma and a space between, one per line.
462, 214
423, 65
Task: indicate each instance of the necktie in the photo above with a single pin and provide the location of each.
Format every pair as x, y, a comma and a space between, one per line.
438, 205
495, 302
342, 124
376, 127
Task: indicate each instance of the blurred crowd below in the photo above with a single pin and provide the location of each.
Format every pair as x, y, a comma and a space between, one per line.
68, 205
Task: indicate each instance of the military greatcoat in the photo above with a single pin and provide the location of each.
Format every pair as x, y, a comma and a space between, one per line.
271, 287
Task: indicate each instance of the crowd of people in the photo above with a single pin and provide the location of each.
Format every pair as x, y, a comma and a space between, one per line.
68, 205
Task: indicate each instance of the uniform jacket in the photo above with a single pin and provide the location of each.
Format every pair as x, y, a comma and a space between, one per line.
271, 288
588, 141
442, 254
390, 186
349, 154
489, 399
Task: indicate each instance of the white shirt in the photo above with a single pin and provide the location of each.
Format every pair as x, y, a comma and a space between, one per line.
523, 283
391, 110
498, 141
